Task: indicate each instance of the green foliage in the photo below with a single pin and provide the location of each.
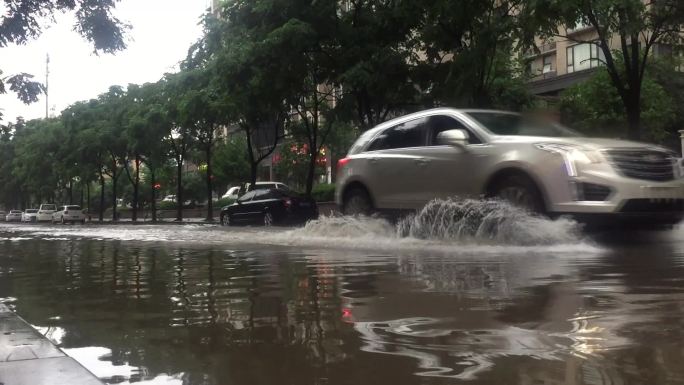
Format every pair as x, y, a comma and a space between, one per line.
167, 205
323, 192
223, 202
231, 166
292, 165
620, 23
595, 108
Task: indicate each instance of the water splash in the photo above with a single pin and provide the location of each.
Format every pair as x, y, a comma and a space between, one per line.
486, 221
466, 227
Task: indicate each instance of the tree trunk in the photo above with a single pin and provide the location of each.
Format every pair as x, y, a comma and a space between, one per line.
311, 173
82, 206
114, 202
154, 196
88, 197
70, 190
210, 202
633, 109
253, 174
179, 192
136, 188
102, 196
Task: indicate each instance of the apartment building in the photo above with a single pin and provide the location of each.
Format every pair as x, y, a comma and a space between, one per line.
561, 62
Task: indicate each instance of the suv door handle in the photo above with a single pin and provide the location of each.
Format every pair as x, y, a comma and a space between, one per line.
373, 160
421, 161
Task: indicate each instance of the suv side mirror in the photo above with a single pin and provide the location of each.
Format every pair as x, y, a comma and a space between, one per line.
455, 138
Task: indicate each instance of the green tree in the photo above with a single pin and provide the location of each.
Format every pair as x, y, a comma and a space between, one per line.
179, 137
468, 47
231, 166
246, 67
627, 22
148, 126
595, 108
203, 108
376, 59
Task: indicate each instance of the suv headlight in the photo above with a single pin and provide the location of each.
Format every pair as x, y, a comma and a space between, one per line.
572, 155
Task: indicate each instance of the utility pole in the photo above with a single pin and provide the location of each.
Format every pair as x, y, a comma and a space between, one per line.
47, 83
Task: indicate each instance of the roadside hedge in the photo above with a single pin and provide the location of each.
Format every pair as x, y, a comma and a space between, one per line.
223, 202
323, 192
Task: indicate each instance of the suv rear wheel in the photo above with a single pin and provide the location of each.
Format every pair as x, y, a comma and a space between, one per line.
520, 191
357, 202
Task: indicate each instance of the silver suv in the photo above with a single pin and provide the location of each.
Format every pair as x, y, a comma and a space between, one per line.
406, 162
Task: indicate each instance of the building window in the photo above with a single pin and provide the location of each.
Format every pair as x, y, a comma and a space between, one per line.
548, 64
583, 56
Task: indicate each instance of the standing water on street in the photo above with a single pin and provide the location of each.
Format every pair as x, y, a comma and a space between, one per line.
502, 297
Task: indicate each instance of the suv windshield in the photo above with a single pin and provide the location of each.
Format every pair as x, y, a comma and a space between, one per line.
520, 125
31, 211
48, 207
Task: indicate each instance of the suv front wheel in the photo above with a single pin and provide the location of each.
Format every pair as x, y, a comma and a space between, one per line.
520, 191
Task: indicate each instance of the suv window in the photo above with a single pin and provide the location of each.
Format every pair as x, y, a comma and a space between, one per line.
441, 123
48, 207
408, 134
247, 197
262, 194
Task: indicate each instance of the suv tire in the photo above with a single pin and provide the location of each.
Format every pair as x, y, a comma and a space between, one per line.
520, 191
357, 202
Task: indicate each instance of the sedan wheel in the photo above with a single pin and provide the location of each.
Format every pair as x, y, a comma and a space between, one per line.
268, 219
225, 220
63, 221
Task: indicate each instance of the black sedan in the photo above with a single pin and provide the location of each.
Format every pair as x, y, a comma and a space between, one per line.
269, 207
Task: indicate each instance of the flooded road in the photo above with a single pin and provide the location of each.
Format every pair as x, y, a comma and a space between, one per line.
346, 301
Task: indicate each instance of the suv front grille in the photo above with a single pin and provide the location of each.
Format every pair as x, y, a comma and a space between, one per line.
642, 164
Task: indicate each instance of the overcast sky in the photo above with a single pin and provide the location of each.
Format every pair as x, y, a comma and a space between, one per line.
162, 31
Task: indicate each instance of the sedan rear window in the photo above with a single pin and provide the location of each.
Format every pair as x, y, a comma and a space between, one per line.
31, 211
48, 207
72, 207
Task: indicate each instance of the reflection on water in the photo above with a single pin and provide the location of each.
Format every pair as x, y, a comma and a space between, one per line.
163, 313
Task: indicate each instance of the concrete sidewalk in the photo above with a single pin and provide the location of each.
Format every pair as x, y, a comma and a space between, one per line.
28, 358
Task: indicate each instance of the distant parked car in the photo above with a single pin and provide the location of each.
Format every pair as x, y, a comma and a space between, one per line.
70, 213
30, 215
268, 185
169, 198
3, 214
45, 212
232, 193
269, 207
13, 216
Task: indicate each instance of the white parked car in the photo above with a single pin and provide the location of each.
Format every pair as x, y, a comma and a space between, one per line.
169, 198
13, 216
232, 193
544, 167
3, 214
70, 213
30, 215
45, 212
